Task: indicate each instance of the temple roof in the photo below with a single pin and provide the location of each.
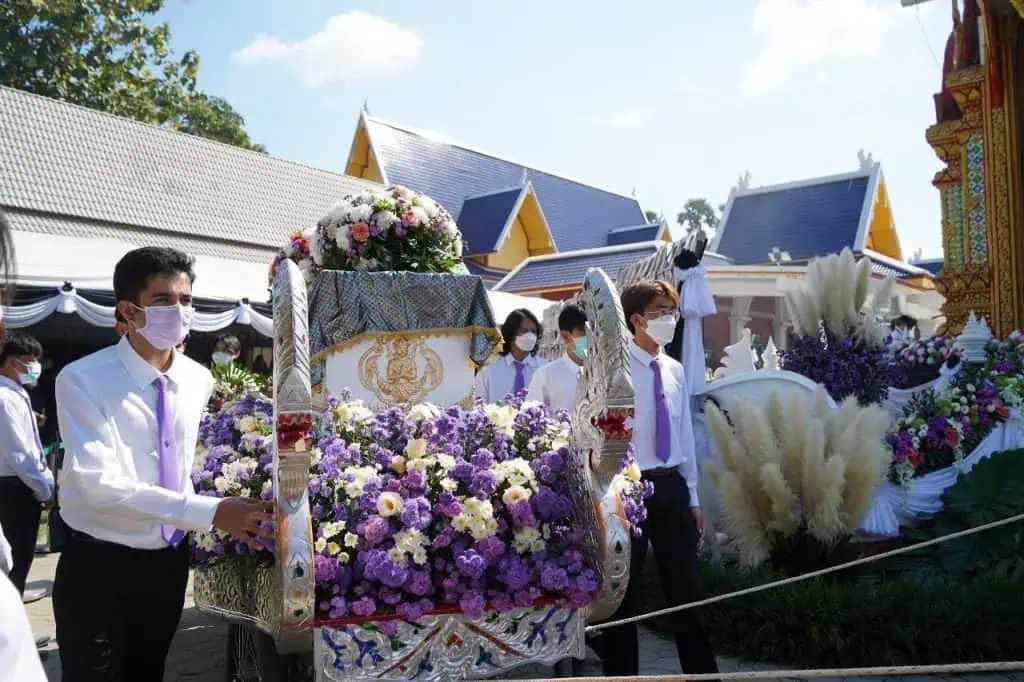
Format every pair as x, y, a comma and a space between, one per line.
632, 235
808, 218
579, 216
932, 265
564, 270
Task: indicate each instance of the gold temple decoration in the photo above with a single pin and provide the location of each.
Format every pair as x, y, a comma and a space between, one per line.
977, 137
391, 369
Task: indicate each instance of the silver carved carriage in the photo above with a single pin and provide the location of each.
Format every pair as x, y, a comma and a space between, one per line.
406, 338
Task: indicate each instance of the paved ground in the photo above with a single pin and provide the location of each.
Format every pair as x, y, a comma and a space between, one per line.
198, 652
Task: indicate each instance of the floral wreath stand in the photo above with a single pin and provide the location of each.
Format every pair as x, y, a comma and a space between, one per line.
278, 602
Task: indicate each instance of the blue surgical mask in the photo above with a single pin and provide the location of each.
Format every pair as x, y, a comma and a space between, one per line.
30, 377
580, 349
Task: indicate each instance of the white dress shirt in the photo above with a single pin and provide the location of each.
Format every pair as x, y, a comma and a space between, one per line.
554, 384
495, 381
19, 659
6, 555
110, 481
20, 453
681, 425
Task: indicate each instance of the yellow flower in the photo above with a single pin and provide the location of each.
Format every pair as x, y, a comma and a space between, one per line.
389, 504
333, 548
632, 472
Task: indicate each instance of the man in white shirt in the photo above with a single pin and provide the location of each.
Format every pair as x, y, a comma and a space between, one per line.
511, 372
129, 416
663, 442
554, 384
19, 659
25, 481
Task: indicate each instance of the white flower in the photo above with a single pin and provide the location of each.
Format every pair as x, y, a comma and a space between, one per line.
320, 545
514, 494
385, 219
423, 411
632, 473
351, 540
247, 424
361, 213
389, 504
528, 540
416, 448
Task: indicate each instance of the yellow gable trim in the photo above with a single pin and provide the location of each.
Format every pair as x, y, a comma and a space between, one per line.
527, 235
882, 237
362, 162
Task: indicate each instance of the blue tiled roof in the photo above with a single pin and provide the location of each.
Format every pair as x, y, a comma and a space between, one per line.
880, 267
579, 216
932, 265
483, 217
490, 276
814, 219
632, 235
565, 271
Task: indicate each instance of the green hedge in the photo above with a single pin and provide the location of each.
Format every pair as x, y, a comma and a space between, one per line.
867, 621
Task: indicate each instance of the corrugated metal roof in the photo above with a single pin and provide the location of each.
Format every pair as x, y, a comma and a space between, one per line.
490, 276
580, 216
632, 235
807, 219
482, 219
549, 272
66, 160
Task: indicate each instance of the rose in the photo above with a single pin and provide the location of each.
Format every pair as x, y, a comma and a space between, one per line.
360, 232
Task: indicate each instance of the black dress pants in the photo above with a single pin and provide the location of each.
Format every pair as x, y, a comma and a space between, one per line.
117, 609
20, 513
672, 530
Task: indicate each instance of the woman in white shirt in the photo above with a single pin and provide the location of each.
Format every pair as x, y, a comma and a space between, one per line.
554, 384
511, 373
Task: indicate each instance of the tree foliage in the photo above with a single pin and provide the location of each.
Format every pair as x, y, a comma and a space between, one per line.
108, 55
698, 213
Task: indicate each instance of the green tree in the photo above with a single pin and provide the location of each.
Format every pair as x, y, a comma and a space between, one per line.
652, 216
107, 55
698, 213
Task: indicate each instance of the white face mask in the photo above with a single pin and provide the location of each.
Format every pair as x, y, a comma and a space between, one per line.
526, 342
222, 358
662, 329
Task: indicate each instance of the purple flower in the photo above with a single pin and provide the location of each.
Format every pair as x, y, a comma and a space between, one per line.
416, 513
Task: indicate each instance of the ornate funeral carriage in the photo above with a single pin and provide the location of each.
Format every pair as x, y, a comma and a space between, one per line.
402, 338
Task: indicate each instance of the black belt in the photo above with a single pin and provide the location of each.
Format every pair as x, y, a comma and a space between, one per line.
660, 472
86, 539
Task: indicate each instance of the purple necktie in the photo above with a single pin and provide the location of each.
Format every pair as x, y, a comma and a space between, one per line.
520, 384
662, 432
167, 453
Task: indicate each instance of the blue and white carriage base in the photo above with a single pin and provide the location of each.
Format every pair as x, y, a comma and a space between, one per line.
388, 346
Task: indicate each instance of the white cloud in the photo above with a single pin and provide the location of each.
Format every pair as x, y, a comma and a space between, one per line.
351, 46
796, 34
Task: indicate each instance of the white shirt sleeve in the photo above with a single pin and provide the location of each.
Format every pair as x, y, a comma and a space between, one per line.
20, 449
538, 388
91, 461
482, 386
19, 659
6, 555
689, 466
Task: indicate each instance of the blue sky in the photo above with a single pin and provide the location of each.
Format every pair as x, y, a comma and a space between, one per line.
675, 98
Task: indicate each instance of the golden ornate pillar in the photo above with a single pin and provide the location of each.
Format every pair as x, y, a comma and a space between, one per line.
980, 185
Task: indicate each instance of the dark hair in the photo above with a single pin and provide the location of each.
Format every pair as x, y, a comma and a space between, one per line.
19, 344
571, 318
512, 324
132, 272
637, 296
230, 343
905, 321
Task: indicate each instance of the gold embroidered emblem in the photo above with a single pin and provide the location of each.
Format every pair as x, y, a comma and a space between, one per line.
411, 369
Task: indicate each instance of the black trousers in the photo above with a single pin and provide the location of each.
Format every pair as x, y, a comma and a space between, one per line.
672, 530
116, 609
20, 513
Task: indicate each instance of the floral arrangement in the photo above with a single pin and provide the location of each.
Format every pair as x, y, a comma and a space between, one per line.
796, 478
419, 509
233, 381
298, 248
844, 365
938, 430
917, 361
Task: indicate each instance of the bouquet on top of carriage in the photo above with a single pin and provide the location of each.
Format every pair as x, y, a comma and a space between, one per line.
396, 229
419, 509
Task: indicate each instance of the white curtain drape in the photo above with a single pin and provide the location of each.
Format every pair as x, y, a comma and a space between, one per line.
922, 497
695, 303
69, 301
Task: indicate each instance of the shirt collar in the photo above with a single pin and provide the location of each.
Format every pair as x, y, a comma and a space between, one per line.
642, 355
143, 373
569, 361
14, 385
511, 360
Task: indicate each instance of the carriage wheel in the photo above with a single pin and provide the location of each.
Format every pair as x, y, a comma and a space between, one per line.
242, 660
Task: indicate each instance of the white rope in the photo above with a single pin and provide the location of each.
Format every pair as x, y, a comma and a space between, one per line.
806, 576
944, 669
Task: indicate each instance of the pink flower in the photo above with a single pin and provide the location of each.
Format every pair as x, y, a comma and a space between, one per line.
360, 231
410, 219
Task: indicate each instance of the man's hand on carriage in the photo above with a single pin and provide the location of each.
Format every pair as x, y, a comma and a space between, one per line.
246, 519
